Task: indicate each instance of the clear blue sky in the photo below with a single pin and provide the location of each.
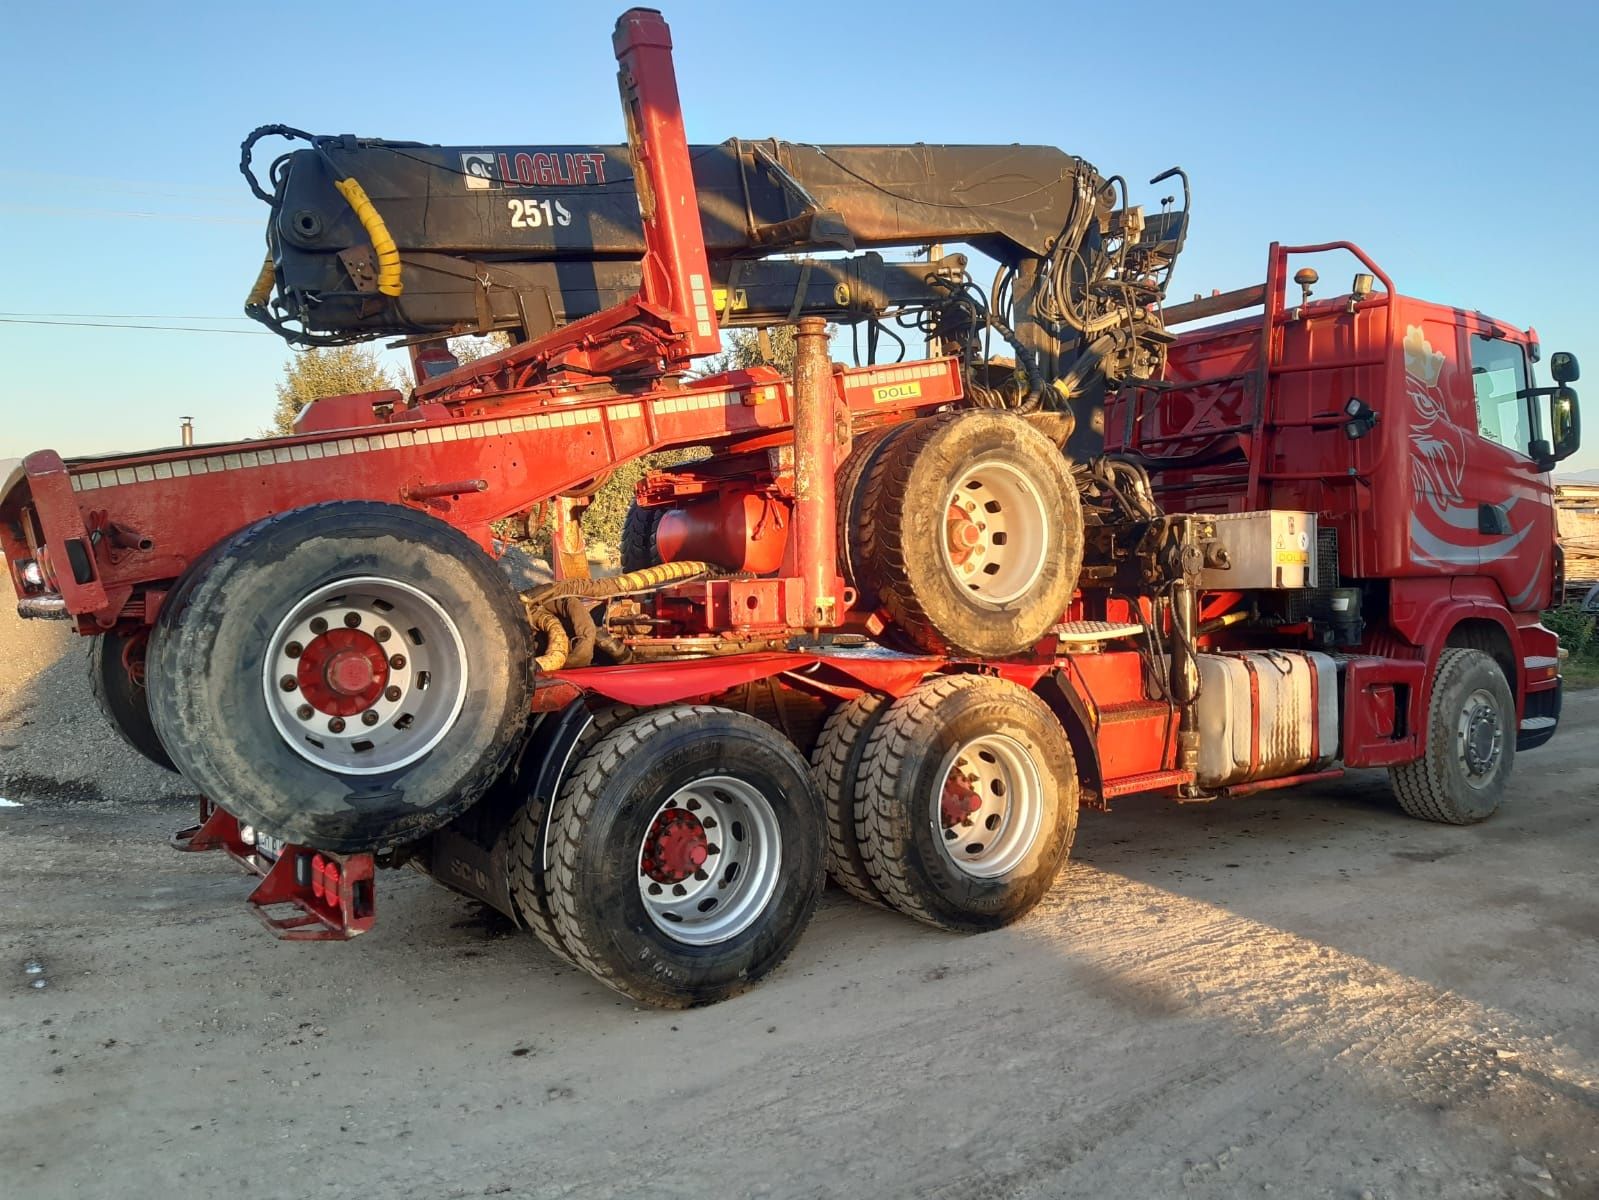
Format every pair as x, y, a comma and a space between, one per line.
1455, 141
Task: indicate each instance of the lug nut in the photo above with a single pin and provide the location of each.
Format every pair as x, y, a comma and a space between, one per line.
304, 712
352, 619
294, 649
383, 633
369, 717
391, 692
318, 625
336, 725
288, 683
397, 662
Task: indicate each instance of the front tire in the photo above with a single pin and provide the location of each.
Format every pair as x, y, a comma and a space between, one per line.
1470, 746
348, 676
686, 855
967, 802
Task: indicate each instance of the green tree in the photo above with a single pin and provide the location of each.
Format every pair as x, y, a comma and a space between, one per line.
470, 348
743, 349
332, 371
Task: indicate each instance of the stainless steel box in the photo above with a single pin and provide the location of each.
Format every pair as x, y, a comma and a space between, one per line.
1270, 549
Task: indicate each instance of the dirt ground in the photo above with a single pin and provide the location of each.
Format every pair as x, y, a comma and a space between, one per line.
1301, 994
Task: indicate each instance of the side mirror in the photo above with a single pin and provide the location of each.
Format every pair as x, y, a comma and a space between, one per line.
1563, 367
1565, 417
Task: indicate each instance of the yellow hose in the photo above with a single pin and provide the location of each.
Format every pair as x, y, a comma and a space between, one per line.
382, 243
262, 291
556, 642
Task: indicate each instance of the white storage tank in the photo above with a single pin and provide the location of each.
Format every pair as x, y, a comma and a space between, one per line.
1264, 714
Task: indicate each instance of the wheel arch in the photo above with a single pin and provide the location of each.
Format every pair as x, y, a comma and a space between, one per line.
1054, 690
1493, 639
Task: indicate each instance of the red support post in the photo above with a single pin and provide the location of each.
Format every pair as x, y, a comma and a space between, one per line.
815, 469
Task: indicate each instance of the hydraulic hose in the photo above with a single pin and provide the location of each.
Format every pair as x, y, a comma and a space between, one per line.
556, 643
389, 282
261, 292
634, 581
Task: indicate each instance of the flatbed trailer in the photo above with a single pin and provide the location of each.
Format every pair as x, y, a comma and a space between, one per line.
895, 627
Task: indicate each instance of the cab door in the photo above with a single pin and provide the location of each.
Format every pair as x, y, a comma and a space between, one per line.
1507, 498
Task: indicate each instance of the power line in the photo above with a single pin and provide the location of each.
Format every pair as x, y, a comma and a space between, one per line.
140, 186
110, 325
116, 316
49, 210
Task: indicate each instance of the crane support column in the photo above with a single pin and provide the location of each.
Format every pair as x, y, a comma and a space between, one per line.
815, 468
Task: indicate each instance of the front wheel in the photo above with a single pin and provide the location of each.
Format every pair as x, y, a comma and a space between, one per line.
1470, 743
685, 855
347, 676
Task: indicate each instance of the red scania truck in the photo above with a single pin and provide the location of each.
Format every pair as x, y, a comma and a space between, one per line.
897, 622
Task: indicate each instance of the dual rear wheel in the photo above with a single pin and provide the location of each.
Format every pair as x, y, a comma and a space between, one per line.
681, 858
955, 804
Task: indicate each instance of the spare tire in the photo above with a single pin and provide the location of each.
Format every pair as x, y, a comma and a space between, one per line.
972, 533
347, 676
638, 549
854, 476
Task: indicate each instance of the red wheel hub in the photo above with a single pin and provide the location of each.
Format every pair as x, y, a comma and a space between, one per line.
342, 672
958, 802
961, 532
676, 847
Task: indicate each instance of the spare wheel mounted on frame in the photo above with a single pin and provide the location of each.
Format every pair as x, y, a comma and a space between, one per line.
347, 676
970, 533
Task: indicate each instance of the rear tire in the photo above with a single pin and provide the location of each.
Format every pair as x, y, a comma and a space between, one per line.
528, 858
956, 742
836, 767
1470, 746
972, 534
690, 908
122, 697
337, 611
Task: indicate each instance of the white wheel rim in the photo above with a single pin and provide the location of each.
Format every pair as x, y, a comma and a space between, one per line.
311, 676
988, 809
997, 532
710, 860
1479, 738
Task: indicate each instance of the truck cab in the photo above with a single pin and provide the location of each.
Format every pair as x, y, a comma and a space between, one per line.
1415, 432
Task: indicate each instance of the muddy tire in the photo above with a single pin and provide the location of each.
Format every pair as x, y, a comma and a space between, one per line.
869, 448
836, 767
687, 855
638, 549
528, 855
968, 802
347, 676
971, 534
122, 697
1470, 744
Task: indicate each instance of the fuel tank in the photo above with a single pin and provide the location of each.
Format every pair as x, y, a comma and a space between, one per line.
1265, 714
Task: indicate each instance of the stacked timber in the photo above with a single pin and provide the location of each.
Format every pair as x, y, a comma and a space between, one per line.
1577, 510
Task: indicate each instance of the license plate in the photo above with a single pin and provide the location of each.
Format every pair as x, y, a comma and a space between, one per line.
268, 846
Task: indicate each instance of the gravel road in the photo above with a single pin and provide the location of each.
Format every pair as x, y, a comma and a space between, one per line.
1300, 994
